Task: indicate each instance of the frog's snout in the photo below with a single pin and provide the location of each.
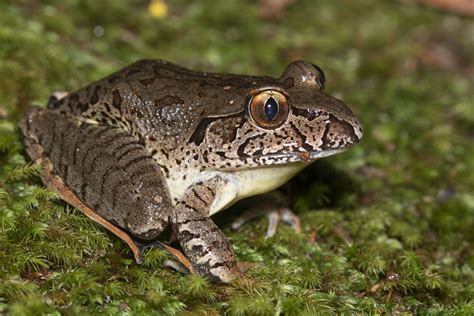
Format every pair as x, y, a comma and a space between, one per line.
358, 130
340, 134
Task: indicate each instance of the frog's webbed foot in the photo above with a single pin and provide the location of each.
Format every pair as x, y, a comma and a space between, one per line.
276, 213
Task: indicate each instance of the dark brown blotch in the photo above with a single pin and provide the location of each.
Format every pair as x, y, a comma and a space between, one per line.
107, 108
95, 95
200, 132
169, 100
147, 82
73, 99
54, 102
310, 114
338, 130
116, 99
132, 71
302, 138
136, 112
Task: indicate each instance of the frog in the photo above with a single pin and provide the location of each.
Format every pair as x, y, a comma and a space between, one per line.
157, 147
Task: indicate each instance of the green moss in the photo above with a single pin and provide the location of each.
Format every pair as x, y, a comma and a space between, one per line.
387, 226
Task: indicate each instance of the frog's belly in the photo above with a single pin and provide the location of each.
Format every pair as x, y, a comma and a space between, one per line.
237, 185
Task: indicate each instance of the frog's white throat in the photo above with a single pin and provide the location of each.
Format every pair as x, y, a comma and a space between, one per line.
245, 183
239, 184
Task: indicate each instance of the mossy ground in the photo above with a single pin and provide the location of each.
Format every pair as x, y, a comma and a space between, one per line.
388, 227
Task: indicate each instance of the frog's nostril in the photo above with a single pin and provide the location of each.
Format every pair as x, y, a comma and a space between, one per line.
341, 134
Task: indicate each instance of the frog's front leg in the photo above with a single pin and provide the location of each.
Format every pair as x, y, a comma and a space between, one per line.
202, 241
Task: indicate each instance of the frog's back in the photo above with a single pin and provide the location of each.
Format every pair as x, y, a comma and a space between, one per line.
158, 100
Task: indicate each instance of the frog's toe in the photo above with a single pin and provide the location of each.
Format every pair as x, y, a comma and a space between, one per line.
181, 264
288, 217
142, 245
177, 266
222, 274
275, 216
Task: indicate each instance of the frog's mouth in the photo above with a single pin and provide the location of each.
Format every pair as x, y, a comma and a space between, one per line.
302, 156
311, 156
267, 161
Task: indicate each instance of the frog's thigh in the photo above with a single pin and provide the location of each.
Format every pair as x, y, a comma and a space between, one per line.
107, 169
202, 241
55, 183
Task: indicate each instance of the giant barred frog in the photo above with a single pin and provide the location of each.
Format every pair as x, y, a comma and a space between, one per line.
156, 145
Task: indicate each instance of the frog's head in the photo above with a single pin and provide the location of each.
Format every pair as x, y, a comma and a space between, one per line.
284, 120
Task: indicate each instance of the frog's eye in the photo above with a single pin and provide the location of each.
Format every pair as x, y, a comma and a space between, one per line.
320, 77
269, 109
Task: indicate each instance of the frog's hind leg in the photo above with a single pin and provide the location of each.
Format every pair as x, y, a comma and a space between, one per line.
275, 207
54, 183
102, 171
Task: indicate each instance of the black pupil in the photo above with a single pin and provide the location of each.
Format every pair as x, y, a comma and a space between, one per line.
271, 109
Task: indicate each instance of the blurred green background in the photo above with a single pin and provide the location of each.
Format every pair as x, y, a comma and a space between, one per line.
387, 226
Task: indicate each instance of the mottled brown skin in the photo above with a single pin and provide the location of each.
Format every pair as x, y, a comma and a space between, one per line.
155, 144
